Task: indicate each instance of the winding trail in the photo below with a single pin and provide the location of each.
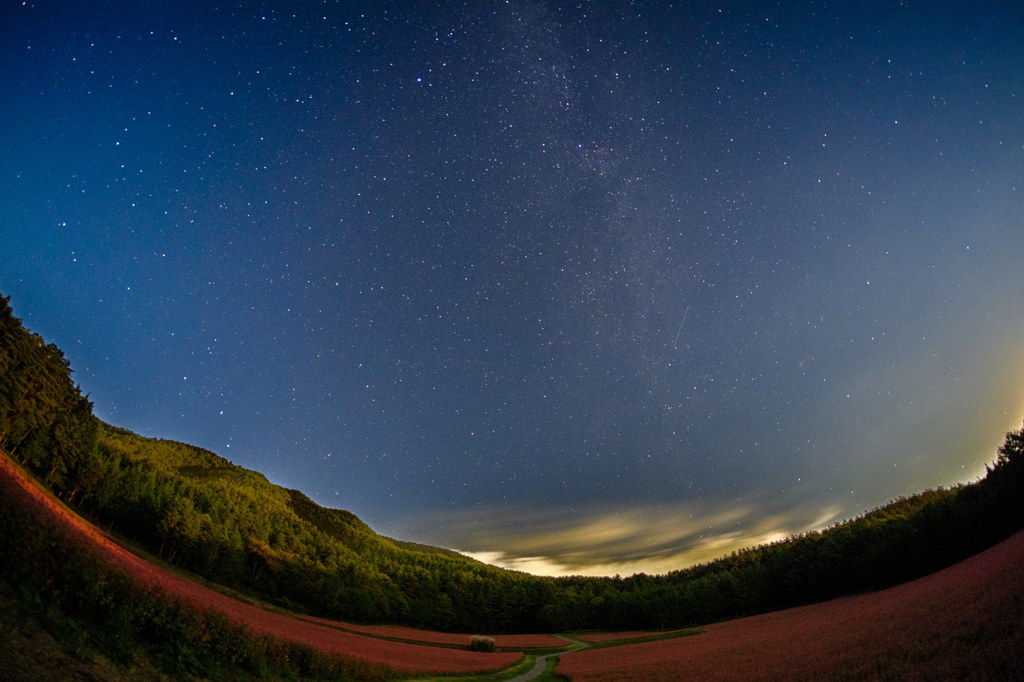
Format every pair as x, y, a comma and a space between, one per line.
542, 661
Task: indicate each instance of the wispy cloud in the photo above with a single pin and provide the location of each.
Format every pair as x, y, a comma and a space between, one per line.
607, 542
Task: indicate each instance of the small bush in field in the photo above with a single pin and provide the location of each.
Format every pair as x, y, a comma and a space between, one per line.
481, 643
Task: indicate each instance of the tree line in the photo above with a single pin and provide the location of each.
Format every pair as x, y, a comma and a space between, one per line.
199, 511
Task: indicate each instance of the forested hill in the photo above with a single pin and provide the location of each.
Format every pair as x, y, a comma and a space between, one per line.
201, 512
231, 525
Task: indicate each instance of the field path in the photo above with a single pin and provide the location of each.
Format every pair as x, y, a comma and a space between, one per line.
404, 657
538, 668
542, 662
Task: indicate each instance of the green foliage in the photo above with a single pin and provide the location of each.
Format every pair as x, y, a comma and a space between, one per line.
201, 512
45, 422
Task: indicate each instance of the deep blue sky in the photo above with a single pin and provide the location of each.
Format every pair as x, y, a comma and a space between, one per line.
595, 286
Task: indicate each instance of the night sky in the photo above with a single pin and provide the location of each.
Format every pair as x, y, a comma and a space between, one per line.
587, 287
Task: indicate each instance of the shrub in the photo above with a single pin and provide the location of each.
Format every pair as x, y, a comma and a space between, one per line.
481, 643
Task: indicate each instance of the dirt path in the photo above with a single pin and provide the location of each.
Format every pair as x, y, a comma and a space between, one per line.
401, 656
542, 661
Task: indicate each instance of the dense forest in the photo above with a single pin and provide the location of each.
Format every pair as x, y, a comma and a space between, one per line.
199, 511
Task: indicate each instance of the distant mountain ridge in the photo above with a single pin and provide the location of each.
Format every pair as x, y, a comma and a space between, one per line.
199, 511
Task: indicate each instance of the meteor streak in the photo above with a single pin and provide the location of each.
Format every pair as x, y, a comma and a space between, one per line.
685, 312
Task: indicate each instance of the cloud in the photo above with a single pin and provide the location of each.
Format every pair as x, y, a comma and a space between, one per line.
623, 541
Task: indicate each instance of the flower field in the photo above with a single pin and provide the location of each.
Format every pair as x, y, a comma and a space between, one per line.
963, 623
595, 637
447, 638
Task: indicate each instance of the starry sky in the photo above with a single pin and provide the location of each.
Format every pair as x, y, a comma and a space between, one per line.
592, 287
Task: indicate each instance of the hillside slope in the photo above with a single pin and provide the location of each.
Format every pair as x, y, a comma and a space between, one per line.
332, 638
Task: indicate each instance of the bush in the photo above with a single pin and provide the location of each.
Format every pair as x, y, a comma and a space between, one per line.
481, 643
